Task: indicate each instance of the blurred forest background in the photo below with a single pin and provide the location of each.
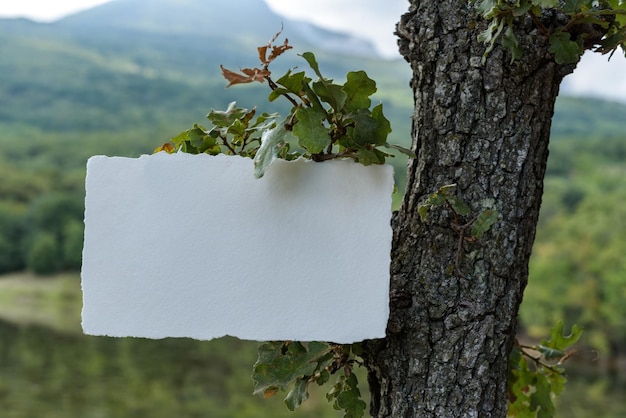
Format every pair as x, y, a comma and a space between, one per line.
122, 79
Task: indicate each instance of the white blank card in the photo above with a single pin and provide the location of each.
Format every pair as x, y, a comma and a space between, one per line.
180, 245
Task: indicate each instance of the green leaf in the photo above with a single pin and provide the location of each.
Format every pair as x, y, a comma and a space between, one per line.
195, 135
459, 206
490, 35
557, 382
297, 395
264, 121
310, 129
238, 128
358, 87
356, 348
272, 141
575, 6
323, 377
564, 49
332, 94
560, 341
519, 381
520, 10
486, 7
276, 93
546, 4
610, 43
226, 117
364, 128
619, 7
209, 145
281, 364
402, 149
371, 156
422, 210
292, 83
434, 200
551, 353
310, 58
348, 397
510, 42
383, 126
483, 222
541, 400
190, 140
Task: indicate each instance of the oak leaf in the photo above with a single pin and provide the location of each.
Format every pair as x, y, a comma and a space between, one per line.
247, 75
276, 51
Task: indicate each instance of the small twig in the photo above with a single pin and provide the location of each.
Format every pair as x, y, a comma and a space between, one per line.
542, 363
274, 86
325, 157
539, 24
227, 145
460, 230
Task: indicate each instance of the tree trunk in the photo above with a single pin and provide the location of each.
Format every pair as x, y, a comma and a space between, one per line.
484, 128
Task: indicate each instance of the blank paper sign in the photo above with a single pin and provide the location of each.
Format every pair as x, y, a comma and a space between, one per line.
180, 245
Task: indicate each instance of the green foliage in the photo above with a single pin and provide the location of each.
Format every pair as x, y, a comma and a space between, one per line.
444, 196
326, 120
483, 222
565, 49
50, 212
72, 244
67, 374
598, 25
536, 376
479, 224
577, 267
44, 257
53, 225
347, 397
292, 366
468, 229
234, 132
12, 225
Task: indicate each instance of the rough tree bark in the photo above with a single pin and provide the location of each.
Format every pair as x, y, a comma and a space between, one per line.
485, 128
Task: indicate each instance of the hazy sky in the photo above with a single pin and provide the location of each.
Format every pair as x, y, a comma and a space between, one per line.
372, 19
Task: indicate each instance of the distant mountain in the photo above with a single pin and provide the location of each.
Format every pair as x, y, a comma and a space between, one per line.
221, 21
134, 62
128, 64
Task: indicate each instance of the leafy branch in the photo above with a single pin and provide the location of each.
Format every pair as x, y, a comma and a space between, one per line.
585, 24
535, 374
291, 366
327, 120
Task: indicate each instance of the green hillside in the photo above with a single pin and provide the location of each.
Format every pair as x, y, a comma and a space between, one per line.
124, 77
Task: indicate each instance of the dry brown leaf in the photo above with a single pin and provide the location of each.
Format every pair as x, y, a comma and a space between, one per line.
256, 74
167, 147
279, 50
276, 50
263, 53
249, 75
